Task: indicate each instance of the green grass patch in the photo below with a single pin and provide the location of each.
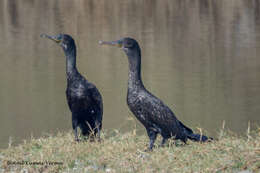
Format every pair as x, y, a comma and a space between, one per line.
125, 153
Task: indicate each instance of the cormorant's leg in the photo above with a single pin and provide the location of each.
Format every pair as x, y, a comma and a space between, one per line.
184, 140
152, 136
98, 130
163, 142
74, 127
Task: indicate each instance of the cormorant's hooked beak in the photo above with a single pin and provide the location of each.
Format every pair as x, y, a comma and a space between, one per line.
118, 43
56, 39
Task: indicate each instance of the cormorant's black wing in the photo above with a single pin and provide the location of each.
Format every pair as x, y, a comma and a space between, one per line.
159, 113
97, 100
187, 129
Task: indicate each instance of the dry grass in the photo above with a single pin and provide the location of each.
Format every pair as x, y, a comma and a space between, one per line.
125, 153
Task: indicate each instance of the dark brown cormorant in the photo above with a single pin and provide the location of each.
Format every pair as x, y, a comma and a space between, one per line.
84, 99
148, 109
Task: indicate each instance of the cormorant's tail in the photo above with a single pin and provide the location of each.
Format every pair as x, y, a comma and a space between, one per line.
198, 137
193, 136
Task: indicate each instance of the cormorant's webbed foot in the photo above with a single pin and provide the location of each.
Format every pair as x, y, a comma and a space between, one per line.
74, 127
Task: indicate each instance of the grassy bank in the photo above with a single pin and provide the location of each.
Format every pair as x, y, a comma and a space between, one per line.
125, 153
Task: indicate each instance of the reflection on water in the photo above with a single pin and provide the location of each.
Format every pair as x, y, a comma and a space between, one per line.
200, 57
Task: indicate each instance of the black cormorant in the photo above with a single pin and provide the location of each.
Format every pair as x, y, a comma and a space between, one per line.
84, 99
148, 109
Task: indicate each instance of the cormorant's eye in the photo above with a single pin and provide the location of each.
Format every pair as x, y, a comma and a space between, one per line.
128, 44
59, 37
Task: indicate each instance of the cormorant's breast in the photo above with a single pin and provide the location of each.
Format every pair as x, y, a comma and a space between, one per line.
78, 97
135, 101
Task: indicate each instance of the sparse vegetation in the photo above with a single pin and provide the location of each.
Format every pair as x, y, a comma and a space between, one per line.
125, 153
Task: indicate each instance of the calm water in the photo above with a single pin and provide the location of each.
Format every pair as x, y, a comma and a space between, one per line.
201, 57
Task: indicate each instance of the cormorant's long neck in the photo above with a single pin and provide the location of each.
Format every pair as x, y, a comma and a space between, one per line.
71, 68
134, 73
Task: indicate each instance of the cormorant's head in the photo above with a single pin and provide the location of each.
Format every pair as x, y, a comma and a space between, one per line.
64, 40
129, 45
